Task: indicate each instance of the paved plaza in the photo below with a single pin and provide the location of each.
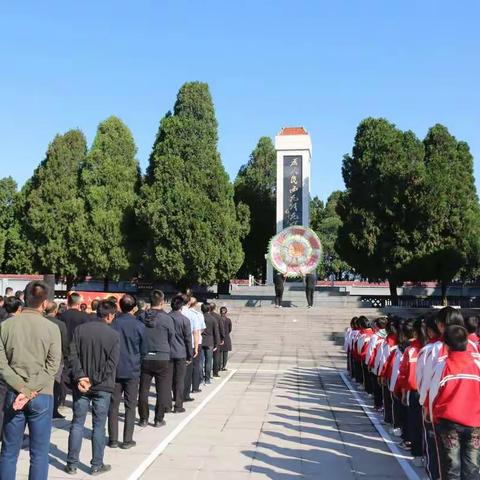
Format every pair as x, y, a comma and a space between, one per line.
281, 412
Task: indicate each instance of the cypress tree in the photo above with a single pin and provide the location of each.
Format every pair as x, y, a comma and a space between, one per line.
8, 190
255, 186
191, 227
110, 179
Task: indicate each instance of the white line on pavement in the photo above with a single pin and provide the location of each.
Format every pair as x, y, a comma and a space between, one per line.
168, 439
406, 467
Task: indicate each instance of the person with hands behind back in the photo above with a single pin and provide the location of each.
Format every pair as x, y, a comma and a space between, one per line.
94, 356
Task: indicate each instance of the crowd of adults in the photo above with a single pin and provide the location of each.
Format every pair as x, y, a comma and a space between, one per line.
100, 356
424, 377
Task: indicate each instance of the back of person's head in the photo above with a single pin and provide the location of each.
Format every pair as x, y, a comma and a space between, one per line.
456, 338
127, 303
157, 298
420, 328
51, 308
19, 294
363, 322
450, 316
83, 307
381, 322
36, 293
94, 305
177, 302
407, 330
223, 310
205, 307
74, 299
12, 305
212, 307
354, 322
62, 308
141, 304
8, 291
105, 308
393, 325
431, 326
471, 324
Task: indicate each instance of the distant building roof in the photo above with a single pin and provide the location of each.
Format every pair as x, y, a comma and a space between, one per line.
293, 131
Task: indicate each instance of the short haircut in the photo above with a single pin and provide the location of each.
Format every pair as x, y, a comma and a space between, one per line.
212, 307
223, 309
19, 293
381, 322
105, 308
51, 308
74, 299
36, 293
471, 324
112, 298
157, 297
177, 302
8, 291
83, 307
456, 338
363, 322
127, 303
12, 304
450, 316
141, 304
94, 305
205, 307
354, 322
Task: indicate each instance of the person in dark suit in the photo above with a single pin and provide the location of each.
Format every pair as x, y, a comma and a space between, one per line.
221, 330
227, 340
210, 342
279, 283
310, 282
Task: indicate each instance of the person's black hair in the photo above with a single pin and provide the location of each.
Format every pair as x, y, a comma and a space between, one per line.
456, 338
18, 294
407, 330
363, 322
83, 307
8, 291
36, 293
94, 305
51, 308
178, 301
393, 325
157, 297
354, 322
381, 322
12, 304
112, 298
61, 308
213, 306
450, 316
420, 328
471, 324
105, 308
223, 309
74, 299
127, 303
141, 304
205, 307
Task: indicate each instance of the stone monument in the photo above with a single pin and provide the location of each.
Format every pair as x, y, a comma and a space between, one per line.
294, 154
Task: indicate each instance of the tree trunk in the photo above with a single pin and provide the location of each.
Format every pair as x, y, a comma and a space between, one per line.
444, 286
105, 283
49, 279
393, 292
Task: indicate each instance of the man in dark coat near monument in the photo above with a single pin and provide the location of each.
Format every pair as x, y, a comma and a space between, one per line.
310, 282
279, 282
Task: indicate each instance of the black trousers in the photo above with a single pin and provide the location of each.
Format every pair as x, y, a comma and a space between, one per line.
197, 370
387, 405
161, 372
129, 388
217, 361
415, 424
278, 296
224, 359
178, 380
377, 393
188, 381
309, 292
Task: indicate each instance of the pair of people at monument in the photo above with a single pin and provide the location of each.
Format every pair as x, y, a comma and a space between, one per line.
310, 280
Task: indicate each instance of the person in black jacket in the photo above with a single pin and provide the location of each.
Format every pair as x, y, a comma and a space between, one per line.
94, 354
279, 283
227, 339
74, 317
182, 351
132, 350
217, 353
210, 342
310, 282
3, 312
159, 333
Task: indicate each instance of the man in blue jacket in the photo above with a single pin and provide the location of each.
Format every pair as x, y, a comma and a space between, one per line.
132, 350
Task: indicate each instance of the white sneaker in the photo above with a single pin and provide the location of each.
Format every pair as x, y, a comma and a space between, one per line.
397, 432
418, 462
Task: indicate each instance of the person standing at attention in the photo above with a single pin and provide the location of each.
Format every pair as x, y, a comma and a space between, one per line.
310, 283
210, 342
94, 354
182, 351
30, 355
227, 342
279, 283
132, 349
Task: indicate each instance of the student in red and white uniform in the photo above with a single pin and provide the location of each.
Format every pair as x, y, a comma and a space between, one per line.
363, 341
347, 345
455, 408
471, 324
375, 343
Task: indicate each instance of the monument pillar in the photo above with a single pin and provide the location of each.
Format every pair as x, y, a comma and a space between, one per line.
294, 154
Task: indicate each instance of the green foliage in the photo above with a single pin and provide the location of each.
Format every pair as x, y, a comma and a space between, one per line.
325, 221
8, 190
54, 214
186, 212
110, 179
255, 187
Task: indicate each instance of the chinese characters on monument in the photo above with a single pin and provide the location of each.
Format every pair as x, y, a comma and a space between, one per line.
292, 190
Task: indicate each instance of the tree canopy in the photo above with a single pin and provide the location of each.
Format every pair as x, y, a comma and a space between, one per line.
8, 191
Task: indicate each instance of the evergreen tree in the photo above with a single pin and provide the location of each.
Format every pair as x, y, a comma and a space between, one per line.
191, 227
110, 180
54, 213
8, 190
255, 186
380, 235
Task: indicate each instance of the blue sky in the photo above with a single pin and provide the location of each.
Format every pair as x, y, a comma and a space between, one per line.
321, 64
